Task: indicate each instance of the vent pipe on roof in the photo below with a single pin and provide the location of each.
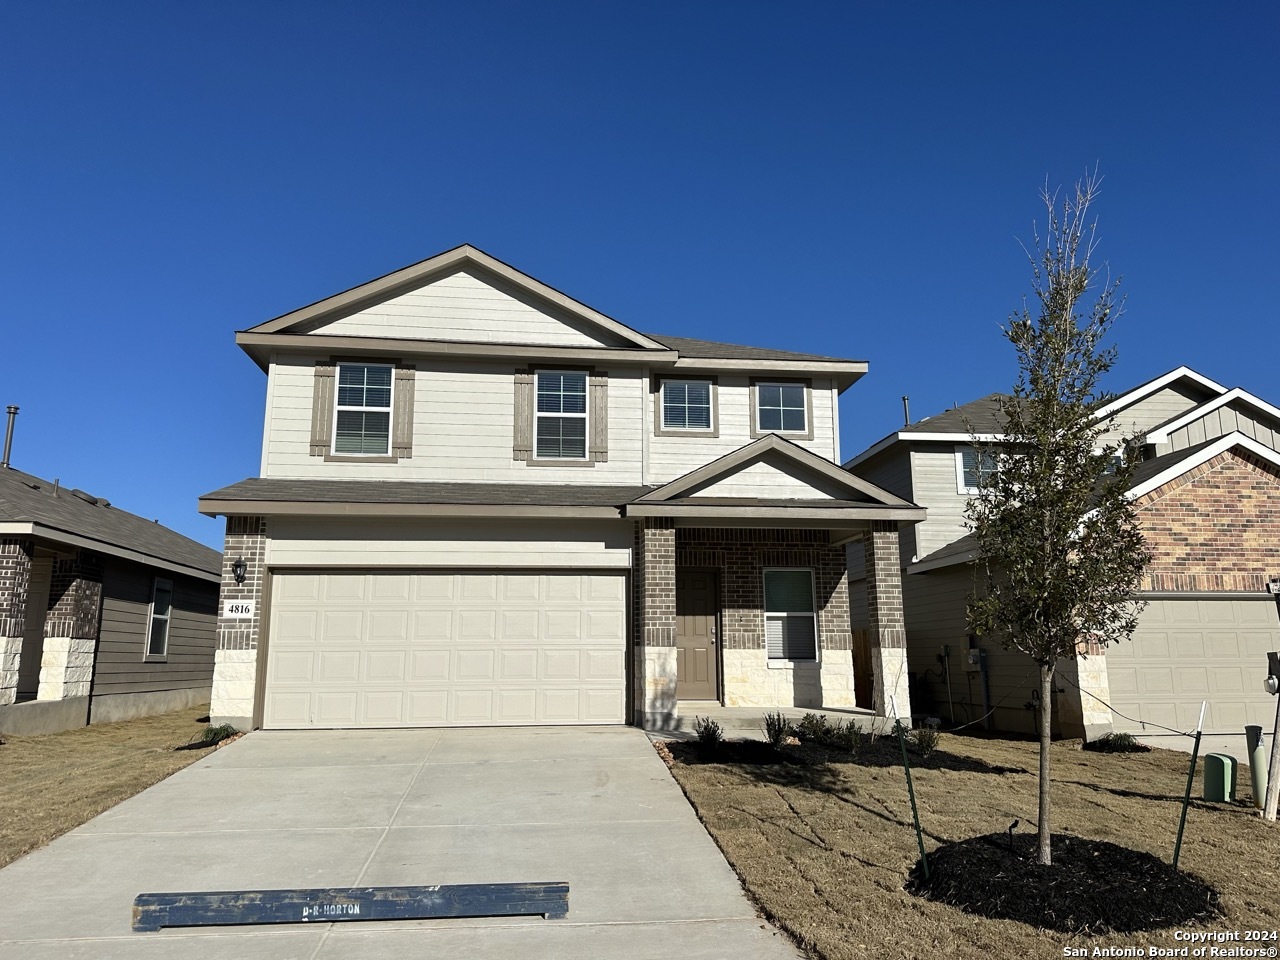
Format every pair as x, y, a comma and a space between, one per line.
906, 411
8, 436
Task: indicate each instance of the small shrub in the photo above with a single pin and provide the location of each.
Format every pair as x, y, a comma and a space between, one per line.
776, 728
217, 734
815, 727
1117, 743
925, 740
847, 736
709, 734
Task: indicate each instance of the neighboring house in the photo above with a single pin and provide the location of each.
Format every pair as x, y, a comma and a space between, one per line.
1207, 494
103, 615
483, 502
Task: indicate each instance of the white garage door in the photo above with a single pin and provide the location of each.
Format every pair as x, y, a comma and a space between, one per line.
1186, 651
434, 649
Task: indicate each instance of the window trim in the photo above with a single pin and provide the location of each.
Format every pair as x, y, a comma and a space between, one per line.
779, 663
147, 655
659, 430
389, 456
583, 461
961, 486
757, 383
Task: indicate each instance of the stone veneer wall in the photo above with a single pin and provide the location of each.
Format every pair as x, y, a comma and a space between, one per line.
236, 659
71, 627
741, 554
15, 576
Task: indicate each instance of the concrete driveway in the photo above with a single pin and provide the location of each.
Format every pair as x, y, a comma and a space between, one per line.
592, 806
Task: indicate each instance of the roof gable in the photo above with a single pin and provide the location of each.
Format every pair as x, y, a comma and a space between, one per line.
775, 469
1234, 399
464, 295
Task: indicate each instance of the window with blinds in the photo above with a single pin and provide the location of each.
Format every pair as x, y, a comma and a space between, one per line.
972, 469
362, 414
560, 418
686, 405
790, 619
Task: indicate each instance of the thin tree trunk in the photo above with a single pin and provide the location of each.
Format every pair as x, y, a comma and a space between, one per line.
1046, 710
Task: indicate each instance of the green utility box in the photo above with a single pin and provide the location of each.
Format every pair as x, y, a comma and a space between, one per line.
1219, 777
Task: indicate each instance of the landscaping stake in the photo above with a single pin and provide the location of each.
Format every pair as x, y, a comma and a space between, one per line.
1191, 775
911, 791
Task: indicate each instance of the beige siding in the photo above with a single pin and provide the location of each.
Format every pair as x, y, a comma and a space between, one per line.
933, 470
1224, 420
891, 470
673, 456
935, 613
770, 481
1149, 412
464, 429
464, 307
449, 543
126, 608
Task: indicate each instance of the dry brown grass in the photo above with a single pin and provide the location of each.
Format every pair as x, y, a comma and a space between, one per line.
825, 849
54, 783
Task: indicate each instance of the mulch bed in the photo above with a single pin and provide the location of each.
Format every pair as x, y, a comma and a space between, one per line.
1093, 887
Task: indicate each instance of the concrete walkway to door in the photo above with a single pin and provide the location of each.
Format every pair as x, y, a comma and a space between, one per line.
593, 806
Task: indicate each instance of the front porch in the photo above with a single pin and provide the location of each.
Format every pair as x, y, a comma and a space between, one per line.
737, 621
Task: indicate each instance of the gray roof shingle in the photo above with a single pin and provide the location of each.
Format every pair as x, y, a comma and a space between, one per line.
982, 416
712, 350
29, 499
413, 491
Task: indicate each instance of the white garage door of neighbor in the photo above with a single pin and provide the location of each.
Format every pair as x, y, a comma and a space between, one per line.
1186, 651
416, 649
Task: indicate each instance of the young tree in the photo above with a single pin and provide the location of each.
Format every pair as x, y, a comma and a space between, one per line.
1060, 551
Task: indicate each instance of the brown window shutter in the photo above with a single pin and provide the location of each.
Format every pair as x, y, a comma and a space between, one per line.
598, 429
322, 409
402, 428
522, 448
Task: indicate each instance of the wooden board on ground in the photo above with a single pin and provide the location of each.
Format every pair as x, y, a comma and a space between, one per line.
151, 911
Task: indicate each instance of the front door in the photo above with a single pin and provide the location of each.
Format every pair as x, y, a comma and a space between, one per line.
697, 604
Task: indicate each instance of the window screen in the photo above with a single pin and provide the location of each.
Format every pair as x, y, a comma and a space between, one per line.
363, 421
790, 624
686, 405
781, 406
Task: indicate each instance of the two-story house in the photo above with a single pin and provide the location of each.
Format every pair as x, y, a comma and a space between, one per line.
1207, 493
484, 502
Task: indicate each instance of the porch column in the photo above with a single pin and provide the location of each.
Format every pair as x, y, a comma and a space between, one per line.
655, 650
71, 627
235, 662
888, 629
15, 577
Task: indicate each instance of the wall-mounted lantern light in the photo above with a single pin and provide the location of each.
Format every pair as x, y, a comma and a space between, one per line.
238, 569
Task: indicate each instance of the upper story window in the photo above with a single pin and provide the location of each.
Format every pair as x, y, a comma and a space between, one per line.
161, 612
688, 405
560, 418
971, 468
362, 415
784, 407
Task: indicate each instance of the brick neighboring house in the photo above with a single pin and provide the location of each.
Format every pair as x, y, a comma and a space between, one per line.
103, 615
483, 502
1207, 495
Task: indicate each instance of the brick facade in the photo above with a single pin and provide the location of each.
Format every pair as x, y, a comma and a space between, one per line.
884, 585
75, 597
246, 538
15, 577
742, 555
1215, 528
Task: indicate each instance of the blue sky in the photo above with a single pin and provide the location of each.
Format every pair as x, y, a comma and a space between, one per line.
843, 178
